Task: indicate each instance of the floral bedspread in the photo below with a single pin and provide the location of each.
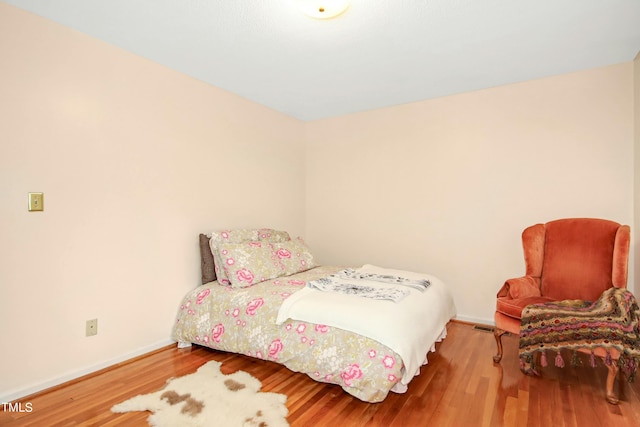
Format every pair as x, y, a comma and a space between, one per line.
243, 321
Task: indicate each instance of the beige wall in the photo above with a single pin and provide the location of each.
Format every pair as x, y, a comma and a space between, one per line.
134, 160
447, 185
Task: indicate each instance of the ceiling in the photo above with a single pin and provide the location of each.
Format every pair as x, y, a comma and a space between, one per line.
377, 54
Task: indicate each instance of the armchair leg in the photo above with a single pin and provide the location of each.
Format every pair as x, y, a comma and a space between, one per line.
611, 378
498, 333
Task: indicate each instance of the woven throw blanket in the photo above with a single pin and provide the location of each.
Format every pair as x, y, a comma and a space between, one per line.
613, 321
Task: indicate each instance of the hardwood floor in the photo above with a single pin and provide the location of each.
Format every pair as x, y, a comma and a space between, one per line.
461, 386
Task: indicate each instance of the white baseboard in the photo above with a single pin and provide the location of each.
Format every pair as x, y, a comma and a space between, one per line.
477, 320
17, 394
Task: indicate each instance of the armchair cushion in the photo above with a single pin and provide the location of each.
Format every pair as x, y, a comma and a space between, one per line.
521, 287
512, 307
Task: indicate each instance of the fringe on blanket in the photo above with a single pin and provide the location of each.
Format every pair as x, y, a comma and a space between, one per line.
628, 365
611, 322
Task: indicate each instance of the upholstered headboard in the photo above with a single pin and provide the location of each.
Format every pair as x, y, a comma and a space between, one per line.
206, 260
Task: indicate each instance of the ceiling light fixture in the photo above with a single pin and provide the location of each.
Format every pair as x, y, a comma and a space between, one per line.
323, 9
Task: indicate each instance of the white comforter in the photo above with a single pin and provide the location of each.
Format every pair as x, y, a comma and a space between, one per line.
410, 327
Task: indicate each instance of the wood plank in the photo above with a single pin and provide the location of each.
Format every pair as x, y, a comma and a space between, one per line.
460, 386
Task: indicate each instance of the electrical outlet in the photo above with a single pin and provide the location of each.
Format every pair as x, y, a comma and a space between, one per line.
92, 327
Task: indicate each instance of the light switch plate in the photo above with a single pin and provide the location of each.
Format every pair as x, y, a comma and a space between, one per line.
36, 202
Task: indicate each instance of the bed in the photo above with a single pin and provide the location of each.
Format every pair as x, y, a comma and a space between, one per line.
271, 312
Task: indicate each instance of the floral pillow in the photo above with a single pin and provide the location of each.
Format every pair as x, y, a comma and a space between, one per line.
228, 236
294, 256
249, 263
271, 235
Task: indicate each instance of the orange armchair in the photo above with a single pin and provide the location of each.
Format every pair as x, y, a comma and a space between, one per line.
575, 258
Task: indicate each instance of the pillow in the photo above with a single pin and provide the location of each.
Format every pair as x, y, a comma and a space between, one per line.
228, 236
294, 256
248, 263
271, 235
207, 266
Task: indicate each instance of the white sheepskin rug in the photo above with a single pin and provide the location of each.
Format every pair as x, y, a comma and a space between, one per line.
207, 397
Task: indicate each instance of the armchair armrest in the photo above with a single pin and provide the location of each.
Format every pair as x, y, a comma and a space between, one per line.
521, 287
